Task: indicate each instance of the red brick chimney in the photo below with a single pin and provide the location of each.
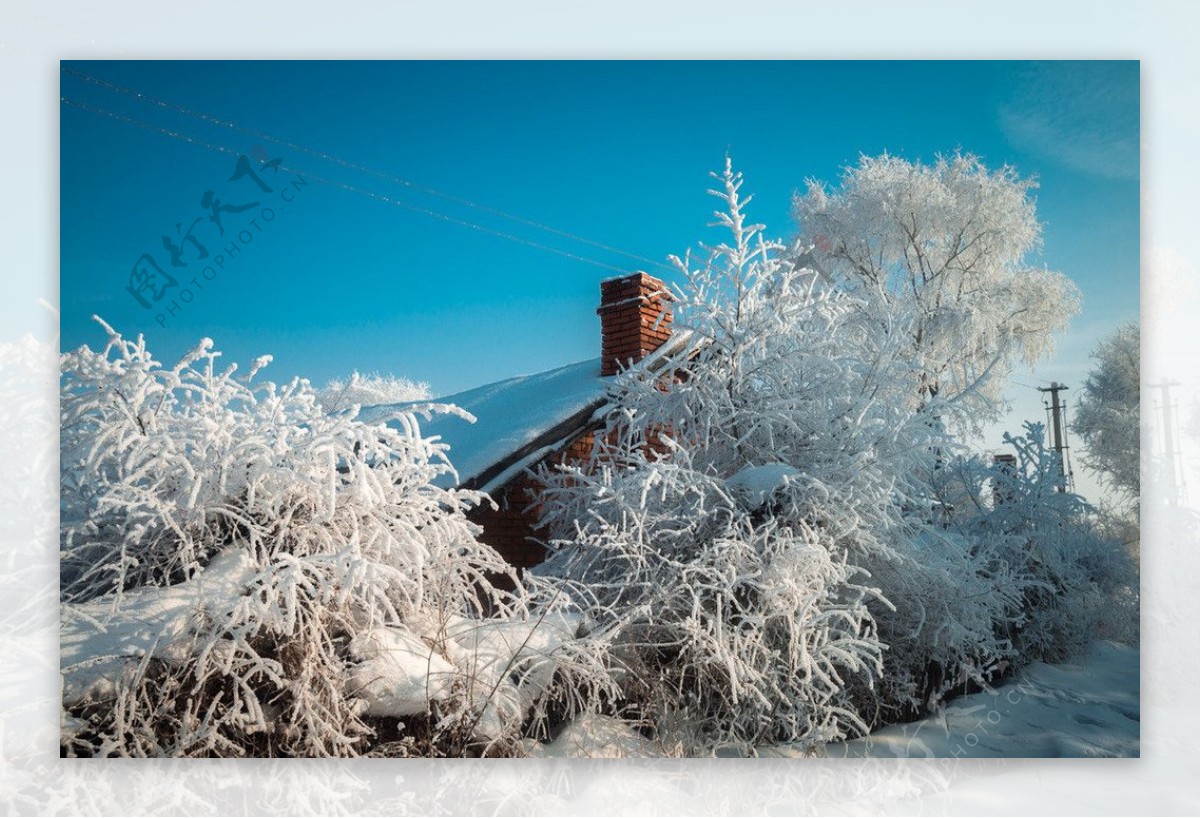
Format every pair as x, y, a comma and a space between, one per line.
635, 320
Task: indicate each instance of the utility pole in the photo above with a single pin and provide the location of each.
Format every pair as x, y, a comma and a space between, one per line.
1174, 494
1057, 411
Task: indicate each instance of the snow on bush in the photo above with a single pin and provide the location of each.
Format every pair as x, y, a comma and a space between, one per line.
246, 574
370, 390
1082, 582
594, 736
1014, 569
731, 499
728, 631
951, 602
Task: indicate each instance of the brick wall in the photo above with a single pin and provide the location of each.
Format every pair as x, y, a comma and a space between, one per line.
512, 528
509, 528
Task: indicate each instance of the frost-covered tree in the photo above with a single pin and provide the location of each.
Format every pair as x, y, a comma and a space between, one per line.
1108, 417
370, 390
950, 244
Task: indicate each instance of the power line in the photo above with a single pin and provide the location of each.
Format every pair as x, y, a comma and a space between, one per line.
351, 188
1068, 462
226, 123
195, 140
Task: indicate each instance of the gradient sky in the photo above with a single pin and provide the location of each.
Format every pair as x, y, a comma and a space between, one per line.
617, 152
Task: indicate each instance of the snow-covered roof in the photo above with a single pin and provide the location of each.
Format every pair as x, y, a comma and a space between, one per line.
521, 420
511, 416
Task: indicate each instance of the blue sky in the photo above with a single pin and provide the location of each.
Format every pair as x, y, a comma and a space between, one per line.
617, 152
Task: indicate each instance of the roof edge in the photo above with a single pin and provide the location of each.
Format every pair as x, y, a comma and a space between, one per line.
545, 442
504, 471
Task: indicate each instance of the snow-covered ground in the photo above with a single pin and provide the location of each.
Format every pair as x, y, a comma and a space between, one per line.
1086, 708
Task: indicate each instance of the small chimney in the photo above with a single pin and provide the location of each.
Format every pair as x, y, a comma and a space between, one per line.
1007, 465
635, 320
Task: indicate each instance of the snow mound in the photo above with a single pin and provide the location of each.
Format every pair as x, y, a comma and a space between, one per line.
399, 674
98, 649
510, 665
756, 484
502, 666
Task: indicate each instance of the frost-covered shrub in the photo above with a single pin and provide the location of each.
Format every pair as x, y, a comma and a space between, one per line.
1083, 584
1014, 569
165, 467
951, 602
793, 441
370, 390
1011, 568
953, 595
729, 631
244, 573
735, 494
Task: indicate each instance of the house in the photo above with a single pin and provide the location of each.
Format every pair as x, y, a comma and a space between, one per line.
524, 422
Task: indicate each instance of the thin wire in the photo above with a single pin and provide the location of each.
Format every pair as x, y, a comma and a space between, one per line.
333, 182
195, 140
225, 123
